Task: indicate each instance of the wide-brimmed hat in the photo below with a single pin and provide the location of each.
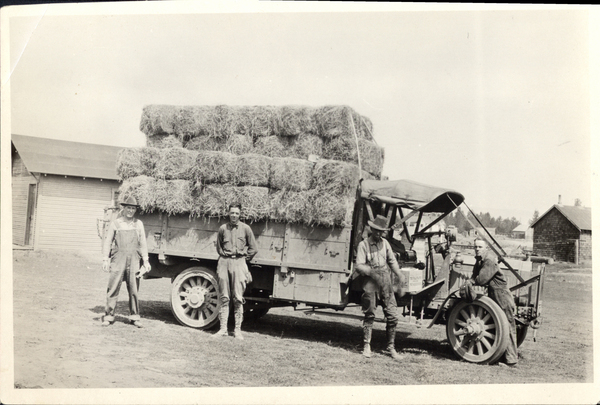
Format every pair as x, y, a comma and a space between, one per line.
380, 223
130, 201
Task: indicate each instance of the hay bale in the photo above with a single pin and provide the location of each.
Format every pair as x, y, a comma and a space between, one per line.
132, 162
173, 196
214, 201
273, 146
335, 178
158, 120
334, 121
329, 210
305, 145
194, 121
234, 120
289, 206
213, 167
264, 121
164, 141
344, 149
239, 144
175, 164
142, 189
206, 143
290, 174
297, 120
250, 170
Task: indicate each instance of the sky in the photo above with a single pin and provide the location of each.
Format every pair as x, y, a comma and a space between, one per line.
493, 103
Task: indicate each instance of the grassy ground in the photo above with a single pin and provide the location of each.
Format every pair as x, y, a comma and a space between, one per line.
59, 342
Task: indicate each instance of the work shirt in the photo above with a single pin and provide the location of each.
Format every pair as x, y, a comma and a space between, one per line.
236, 241
376, 254
122, 224
487, 272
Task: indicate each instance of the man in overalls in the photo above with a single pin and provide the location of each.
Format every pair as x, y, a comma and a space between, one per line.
123, 261
374, 259
486, 272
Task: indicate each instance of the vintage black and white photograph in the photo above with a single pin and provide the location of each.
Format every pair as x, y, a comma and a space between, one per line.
288, 202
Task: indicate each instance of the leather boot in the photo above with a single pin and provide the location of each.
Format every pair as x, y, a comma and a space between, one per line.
239, 317
367, 331
223, 318
391, 337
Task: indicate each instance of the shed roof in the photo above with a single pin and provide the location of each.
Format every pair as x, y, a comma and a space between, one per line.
52, 156
581, 217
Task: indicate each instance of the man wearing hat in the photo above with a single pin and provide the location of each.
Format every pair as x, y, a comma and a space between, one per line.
123, 260
374, 259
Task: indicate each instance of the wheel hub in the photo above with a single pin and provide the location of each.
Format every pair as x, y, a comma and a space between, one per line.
474, 329
195, 297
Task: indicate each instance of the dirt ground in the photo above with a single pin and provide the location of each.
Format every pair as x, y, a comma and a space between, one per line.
59, 341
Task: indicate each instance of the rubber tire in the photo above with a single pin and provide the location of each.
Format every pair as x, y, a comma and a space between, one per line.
479, 311
207, 314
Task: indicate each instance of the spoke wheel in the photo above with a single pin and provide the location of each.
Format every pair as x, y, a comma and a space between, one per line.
478, 331
195, 298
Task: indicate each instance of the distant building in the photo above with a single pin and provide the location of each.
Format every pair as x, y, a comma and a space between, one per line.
59, 190
564, 233
522, 232
479, 231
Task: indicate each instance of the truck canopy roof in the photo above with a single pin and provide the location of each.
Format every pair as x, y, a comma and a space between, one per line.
412, 195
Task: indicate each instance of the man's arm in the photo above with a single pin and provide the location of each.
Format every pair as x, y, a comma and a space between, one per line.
486, 273
108, 239
361, 265
220, 242
391, 259
252, 248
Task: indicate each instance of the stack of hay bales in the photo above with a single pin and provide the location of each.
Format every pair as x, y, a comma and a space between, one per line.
199, 159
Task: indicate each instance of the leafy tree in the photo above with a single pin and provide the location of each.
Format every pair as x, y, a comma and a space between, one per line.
536, 215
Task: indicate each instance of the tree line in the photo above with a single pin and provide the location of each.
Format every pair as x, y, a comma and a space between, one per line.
504, 226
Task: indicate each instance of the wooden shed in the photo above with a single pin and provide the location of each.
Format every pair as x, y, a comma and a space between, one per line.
564, 233
59, 190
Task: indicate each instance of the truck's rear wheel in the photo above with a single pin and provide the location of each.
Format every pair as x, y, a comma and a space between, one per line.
478, 331
195, 298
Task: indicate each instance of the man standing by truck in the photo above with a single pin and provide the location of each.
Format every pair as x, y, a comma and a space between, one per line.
123, 261
487, 273
374, 259
235, 245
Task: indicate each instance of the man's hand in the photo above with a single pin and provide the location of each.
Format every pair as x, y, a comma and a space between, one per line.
106, 265
144, 269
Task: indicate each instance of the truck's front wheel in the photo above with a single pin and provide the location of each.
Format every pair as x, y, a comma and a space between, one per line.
195, 298
478, 331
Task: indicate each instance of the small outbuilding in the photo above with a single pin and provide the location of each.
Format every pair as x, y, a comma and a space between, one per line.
522, 232
564, 233
59, 191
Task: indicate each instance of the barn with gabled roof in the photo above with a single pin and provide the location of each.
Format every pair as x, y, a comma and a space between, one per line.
59, 191
564, 233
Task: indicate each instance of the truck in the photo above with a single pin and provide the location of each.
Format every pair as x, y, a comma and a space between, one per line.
313, 267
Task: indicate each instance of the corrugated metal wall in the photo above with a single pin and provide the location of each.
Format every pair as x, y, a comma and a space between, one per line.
68, 209
21, 179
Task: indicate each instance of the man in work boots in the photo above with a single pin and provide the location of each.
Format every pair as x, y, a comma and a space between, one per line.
235, 245
374, 259
486, 272
123, 261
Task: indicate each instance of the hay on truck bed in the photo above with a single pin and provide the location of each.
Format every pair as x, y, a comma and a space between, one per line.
290, 174
188, 122
250, 155
214, 200
344, 149
142, 189
174, 164
132, 162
